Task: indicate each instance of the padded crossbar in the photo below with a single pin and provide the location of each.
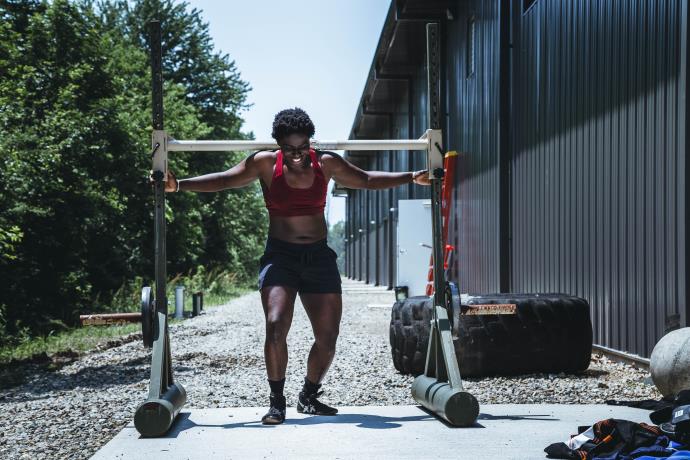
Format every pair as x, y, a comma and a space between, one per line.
227, 146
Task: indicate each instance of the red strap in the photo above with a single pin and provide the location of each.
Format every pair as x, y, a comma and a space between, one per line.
279, 165
314, 161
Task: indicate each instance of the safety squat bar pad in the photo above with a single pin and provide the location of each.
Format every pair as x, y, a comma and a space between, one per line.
444, 373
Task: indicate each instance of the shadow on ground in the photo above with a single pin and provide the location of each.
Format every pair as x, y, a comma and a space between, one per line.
375, 422
46, 380
368, 421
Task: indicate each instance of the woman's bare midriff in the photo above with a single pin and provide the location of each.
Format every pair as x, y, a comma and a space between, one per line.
298, 229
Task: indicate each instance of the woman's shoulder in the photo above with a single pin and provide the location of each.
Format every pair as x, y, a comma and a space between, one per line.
329, 161
265, 156
263, 159
327, 156
262, 155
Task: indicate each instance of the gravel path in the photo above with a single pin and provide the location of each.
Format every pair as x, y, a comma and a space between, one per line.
218, 357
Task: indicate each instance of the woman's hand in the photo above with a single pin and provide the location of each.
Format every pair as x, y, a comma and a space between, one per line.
421, 177
170, 183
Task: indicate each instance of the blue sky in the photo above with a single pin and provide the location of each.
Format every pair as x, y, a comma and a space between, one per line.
313, 54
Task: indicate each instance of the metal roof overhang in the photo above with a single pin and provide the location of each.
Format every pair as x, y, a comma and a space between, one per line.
399, 54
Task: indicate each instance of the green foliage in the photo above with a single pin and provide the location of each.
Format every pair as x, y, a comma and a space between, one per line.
216, 284
218, 287
80, 339
76, 214
9, 237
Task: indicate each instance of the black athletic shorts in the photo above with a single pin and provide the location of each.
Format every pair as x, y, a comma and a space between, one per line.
309, 268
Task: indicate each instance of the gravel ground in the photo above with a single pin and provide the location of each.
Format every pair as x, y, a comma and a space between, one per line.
218, 357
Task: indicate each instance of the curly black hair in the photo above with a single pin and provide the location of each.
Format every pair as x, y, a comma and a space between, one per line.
292, 121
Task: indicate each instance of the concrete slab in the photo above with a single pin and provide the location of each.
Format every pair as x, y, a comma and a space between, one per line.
401, 432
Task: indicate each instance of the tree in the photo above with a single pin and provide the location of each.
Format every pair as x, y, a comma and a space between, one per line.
75, 203
233, 221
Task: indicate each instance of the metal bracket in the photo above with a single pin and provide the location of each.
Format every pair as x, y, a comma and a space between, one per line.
159, 145
440, 362
435, 154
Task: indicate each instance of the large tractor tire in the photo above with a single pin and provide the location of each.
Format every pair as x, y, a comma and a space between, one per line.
550, 333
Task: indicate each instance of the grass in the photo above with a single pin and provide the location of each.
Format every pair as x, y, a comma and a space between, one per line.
78, 339
220, 288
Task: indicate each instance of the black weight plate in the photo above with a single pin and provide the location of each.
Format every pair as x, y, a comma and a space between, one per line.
147, 316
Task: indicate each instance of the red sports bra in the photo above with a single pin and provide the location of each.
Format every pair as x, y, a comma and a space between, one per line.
283, 200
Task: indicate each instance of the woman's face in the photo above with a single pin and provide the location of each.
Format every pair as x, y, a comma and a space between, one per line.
295, 148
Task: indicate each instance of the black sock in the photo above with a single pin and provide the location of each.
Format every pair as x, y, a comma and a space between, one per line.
277, 386
310, 387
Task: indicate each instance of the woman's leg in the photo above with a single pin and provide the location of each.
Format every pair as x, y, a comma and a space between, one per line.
279, 305
325, 312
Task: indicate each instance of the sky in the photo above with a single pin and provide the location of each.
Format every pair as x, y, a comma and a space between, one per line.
313, 54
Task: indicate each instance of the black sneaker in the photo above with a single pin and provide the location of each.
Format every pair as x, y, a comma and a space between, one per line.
308, 404
276, 413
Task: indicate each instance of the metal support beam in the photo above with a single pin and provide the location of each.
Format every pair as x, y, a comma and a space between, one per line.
380, 75
365, 110
684, 164
440, 389
505, 148
437, 13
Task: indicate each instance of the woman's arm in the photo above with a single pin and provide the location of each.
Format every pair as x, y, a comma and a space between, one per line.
240, 175
350, 176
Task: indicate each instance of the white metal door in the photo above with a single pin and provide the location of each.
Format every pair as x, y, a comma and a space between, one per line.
414, 245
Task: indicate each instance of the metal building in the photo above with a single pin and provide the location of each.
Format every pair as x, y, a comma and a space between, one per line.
570, 120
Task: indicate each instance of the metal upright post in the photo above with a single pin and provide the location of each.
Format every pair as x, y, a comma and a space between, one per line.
440, 389
166, 398
434, 122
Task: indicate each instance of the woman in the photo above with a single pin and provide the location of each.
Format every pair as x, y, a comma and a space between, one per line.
297, 259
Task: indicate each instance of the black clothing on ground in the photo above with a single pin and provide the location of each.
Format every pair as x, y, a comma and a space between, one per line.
646, 404
610, 436
674, 420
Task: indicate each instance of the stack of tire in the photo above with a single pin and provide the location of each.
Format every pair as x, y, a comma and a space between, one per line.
550, 333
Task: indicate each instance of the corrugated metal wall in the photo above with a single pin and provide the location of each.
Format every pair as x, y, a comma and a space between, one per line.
472, 106
571, 129
472, 100
599, 163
